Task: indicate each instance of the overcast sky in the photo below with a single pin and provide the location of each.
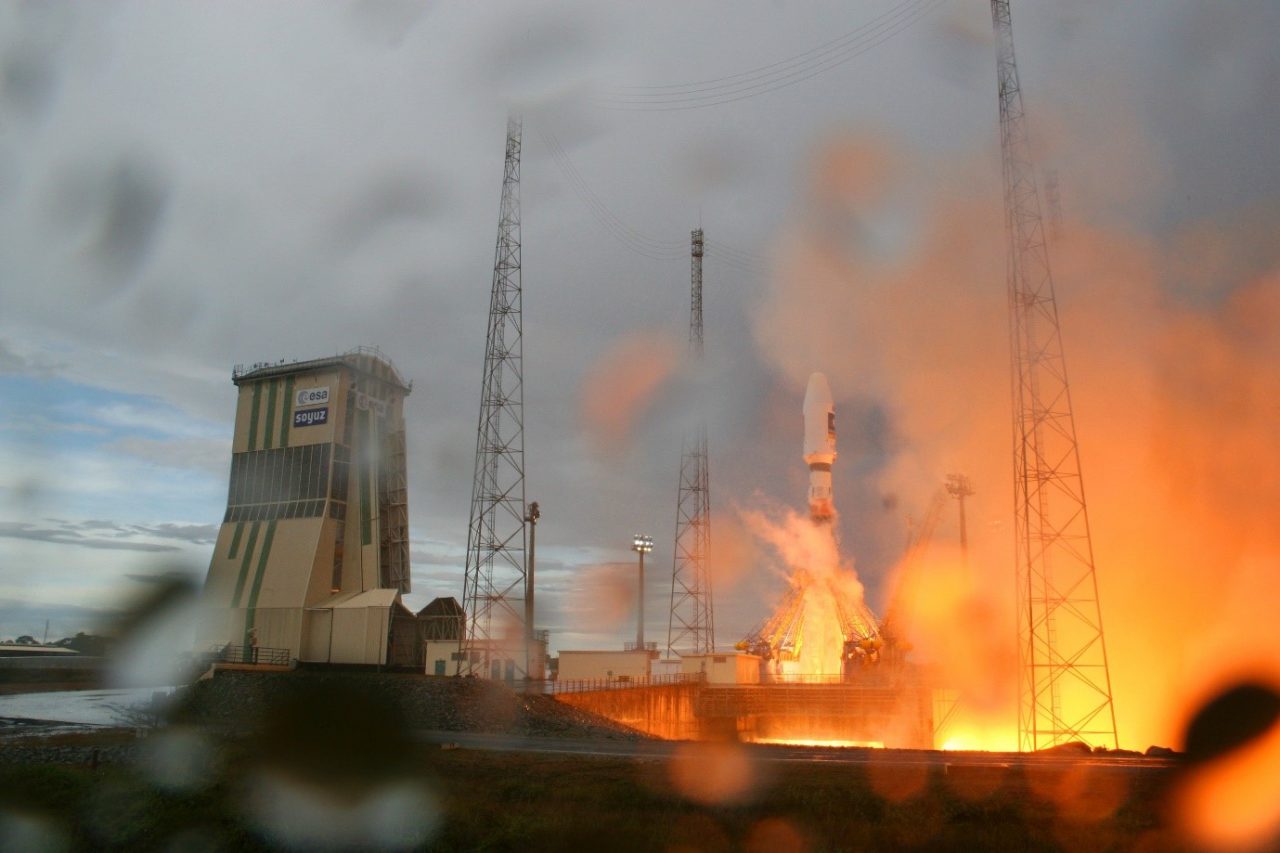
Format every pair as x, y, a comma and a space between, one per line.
187, 186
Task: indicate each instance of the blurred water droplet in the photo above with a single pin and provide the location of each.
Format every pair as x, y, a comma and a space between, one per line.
27, 832
712, 772
300, 816
178, 759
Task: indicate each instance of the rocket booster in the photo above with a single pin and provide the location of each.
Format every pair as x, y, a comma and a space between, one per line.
819, 445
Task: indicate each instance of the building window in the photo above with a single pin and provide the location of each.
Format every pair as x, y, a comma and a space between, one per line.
287, 482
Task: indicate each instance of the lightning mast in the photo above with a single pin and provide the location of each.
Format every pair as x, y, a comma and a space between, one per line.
494, 634
691, 627
1064, 684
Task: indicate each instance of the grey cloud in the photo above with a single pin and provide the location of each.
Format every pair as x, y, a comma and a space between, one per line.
387, 22
27, 80
402, 196
437, 558
204, 454
543, 51
12, 362
68, 535
197, 534
113, 209
133, 208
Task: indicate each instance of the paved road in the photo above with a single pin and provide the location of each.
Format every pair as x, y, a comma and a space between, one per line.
660, 749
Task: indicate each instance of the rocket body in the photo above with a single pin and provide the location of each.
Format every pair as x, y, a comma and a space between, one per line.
819, 445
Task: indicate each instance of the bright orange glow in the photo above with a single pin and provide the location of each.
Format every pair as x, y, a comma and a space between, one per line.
973, 739
1234, 802
869, 744
1175, 370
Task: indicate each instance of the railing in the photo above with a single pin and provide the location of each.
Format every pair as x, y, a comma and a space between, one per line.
617, 682
632, 647
868, 677
253, 655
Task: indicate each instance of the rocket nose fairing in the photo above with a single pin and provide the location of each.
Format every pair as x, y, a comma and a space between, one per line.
819, 445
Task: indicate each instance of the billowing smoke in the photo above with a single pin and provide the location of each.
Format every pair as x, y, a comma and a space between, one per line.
623, 384
900, 297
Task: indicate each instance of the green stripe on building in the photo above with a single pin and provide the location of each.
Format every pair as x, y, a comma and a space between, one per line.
257, 581
286, 412
253, 416
366, 508
267, 443
235, 540
244, 564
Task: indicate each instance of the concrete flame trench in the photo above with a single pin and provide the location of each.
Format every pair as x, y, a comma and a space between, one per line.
892, 716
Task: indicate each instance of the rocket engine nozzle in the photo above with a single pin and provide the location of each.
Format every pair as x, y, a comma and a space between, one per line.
819, 445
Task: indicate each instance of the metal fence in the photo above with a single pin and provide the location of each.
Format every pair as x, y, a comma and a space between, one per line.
617, 682
247, 654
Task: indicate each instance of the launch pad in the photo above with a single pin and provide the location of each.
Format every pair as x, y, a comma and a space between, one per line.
872, 712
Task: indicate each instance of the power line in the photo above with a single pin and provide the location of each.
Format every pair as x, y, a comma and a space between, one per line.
775, 76
632, 238
771, 68
635, 240
740, 266
743, 256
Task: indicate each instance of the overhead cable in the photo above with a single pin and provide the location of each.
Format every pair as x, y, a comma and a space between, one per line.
776, 75
632, 238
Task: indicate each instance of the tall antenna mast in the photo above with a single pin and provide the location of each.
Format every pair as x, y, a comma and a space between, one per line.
691, 628
1064, 684
494, 637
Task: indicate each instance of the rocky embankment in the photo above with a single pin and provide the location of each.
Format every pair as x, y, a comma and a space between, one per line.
331, 706
414, 701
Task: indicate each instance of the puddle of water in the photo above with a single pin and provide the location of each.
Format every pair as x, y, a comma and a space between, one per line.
102, 707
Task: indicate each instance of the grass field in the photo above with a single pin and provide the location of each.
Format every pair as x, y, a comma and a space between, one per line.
242, 796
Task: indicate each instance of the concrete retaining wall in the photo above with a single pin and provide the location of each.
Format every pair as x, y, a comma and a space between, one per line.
665, 711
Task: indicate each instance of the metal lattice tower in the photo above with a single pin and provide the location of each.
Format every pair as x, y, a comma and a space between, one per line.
691, 627
1064, 684
494, 588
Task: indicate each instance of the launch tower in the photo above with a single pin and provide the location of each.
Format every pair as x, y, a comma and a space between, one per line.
493, 642
1064, 684
691, 627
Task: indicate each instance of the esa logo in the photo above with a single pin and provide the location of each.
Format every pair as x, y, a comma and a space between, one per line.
311, 396
311, 417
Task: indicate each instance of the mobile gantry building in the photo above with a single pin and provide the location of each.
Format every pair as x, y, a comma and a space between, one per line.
313, 553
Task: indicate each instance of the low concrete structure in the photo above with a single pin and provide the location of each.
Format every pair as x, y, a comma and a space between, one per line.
728, 668
605, 665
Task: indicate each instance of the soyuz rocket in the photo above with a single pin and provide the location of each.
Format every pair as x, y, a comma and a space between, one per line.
819, 446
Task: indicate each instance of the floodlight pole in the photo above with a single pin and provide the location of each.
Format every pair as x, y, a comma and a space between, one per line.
641, 545
530, 635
